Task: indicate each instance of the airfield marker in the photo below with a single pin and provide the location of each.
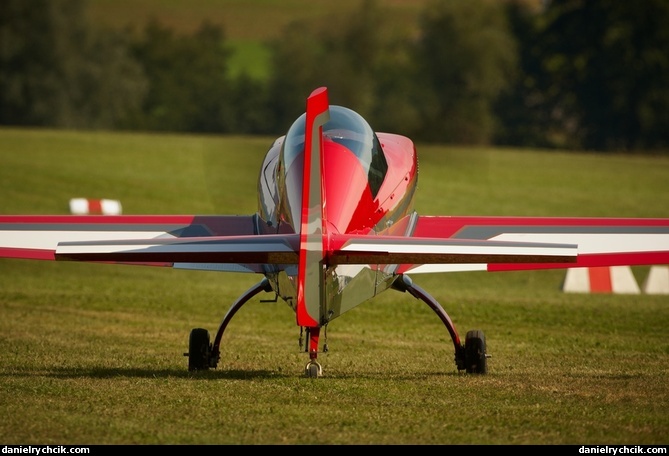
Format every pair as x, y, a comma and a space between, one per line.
657, 281
614, 279
84, 206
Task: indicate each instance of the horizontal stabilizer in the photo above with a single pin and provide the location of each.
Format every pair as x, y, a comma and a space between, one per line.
418, 251
266, 249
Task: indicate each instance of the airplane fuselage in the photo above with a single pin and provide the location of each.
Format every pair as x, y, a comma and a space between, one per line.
368, 184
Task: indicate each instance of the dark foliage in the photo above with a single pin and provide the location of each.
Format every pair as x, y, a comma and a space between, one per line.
568, 73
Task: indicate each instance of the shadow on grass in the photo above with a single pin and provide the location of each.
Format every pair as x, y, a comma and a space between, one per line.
115, 372
213, 374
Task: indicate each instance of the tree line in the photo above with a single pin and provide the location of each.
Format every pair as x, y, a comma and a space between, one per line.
577, 74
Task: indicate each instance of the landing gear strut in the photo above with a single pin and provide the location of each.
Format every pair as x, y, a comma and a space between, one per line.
470, 357
202, 354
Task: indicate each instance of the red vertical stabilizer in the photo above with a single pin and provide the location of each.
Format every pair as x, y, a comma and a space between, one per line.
312, 226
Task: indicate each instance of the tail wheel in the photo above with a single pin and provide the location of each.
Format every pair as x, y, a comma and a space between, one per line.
313, 369
199, 349
475, 352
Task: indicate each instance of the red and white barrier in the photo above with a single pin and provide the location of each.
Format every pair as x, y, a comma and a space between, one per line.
657, 281
614, 279
83, 206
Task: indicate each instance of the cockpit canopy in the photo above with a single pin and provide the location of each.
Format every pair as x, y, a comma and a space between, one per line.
351, 130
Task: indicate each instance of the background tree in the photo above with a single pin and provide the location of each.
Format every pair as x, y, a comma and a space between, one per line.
189, 86
595, 76
251, 112
524, 117
564, 73
292, 75
466, 56
56, 70
348, 54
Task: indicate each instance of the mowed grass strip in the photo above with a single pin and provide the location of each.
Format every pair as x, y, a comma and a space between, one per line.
93, 354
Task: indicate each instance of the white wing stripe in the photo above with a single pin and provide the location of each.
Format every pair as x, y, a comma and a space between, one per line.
487, 249
179, 247
589, 243
48, 240
431, 268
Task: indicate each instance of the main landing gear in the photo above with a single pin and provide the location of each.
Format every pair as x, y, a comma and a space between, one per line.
470, 357
202, 354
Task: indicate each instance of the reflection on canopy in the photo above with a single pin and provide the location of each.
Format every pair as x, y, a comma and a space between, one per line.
348, 128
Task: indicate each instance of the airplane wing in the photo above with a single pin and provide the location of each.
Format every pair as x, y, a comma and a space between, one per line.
437, 243
226, 243
599, 241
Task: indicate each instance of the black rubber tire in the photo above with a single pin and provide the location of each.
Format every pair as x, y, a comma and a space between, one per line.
199, 349
475, 352
312, 371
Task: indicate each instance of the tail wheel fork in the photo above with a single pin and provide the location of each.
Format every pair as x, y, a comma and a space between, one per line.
313, 369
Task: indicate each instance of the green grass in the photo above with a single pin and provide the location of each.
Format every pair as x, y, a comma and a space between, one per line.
93, 354
250, 57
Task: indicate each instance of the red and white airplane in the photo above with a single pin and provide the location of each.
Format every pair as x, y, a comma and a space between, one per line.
335, 226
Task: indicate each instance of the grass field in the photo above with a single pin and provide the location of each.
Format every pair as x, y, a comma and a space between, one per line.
93, 354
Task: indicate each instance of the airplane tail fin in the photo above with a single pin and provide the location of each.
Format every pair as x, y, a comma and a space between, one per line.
312, 225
